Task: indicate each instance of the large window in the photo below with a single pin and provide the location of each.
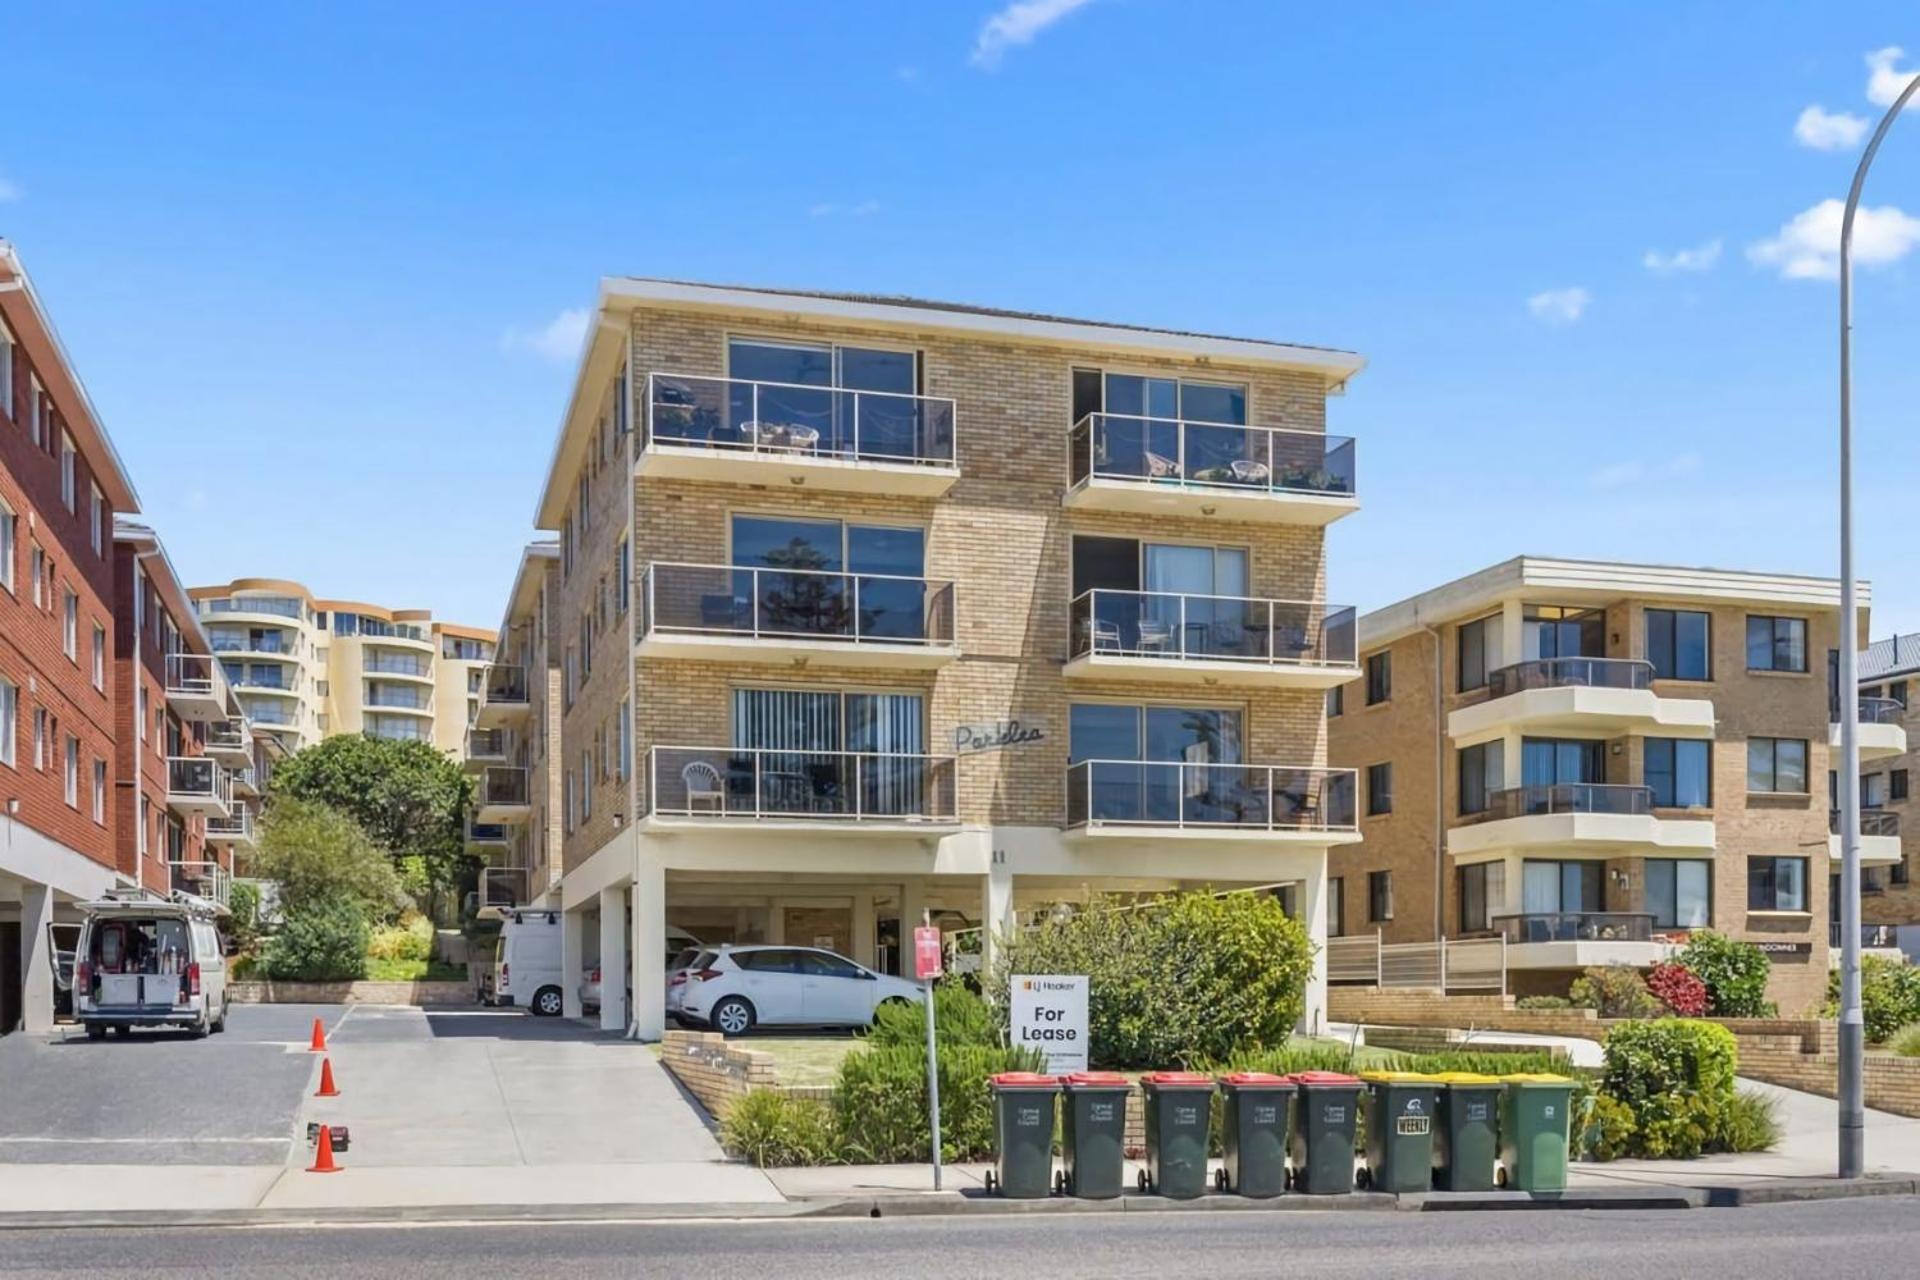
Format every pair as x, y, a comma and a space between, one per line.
1547, 762
1776, 884
1777, 765
9, 712
1680, 893
1379, 677
1170, 598
830, 399
1482, 895
825, 577
1478, 646
1680, 771
830, 751
1130, 395
1776, 644
1555, 631
1379, 896
1150, 764
1548, 886
1379, 789
1678, 644
1482, 772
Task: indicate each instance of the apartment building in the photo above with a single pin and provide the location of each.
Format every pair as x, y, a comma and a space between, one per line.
1889, 899
872, 607
1591, 759
309, 668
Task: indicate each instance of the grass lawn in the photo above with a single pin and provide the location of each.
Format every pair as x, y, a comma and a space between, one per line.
414, 971
804, 1059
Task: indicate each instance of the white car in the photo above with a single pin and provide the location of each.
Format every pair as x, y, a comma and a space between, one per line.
735, 989
682, 947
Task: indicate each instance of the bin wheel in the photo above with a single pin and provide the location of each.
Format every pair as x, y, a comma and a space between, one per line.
1290, 1179
1220, 1179
1363, 1179
1145, 1183
1060, 1183
1500, 1177
991, 1181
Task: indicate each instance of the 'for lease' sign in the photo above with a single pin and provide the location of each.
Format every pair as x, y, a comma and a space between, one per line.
1048, 1012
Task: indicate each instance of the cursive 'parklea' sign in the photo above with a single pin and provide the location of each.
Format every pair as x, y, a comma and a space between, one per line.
997, 736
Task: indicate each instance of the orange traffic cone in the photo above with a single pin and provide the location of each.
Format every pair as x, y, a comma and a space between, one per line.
319, 1042
323, 1154
327, 1088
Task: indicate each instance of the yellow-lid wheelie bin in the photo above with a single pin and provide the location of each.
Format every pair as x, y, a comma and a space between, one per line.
1466, 1143
1400, 1112
1535, 1126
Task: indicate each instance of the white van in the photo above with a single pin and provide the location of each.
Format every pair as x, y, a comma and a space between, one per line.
148, 962
526, 962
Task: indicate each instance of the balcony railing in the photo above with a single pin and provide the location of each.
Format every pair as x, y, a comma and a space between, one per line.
1574, 673
1576, 926
790, 604
503, 785
268, 714
789, 421
1228, 796
395, 664
1875, 711
504, 887
249, 644
279, 606
199, 778
843, 786
191, 674
405, 699
486, 833
1210, 455
229, 735
486, 744
261, 680
505, 685
208, 881
1568, 797
1873, 822
1872, 936
236, 826
1158, 624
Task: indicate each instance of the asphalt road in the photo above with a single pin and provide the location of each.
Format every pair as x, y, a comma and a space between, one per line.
1829, 1239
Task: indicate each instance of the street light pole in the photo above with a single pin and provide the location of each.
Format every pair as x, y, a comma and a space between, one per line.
1853, 1039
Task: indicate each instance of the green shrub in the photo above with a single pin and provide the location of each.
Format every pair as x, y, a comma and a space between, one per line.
1608, 1130
315, 854
1889, 996
880, 1101
243, 919
1616, 991
1285, 1059
774, 1131
1486, 1062
1751, 1123
411, 939
1543, 1002
1735, 973
1675, 1075
1183, 979
960, 1017
1906, 1042
324, 941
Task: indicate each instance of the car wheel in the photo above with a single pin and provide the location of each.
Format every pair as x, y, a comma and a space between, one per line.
547, 1002
96, 1032
220, 1023
733, 1016
891, 1002
199, 1029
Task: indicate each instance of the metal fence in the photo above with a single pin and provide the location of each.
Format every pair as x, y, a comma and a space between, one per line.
1458, 964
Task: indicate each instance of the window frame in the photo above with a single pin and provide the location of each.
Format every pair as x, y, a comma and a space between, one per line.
1805, 756
9, 718
1376, 792
1379, 677
1674, 745
1477, 627
1704, 865
1774, 621
1672, 619
1336, 906
1754, 861
1380, 896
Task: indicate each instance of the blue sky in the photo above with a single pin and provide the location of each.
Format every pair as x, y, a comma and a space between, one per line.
301, 250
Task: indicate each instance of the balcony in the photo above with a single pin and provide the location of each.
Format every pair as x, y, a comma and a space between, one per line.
485, 747
733, 431
194, 689
260, 606
1581, 939
716, 612
1879, 836
503, 697
487, 837
1160, 636
1883, 733
199, 786
1601, 695
269, 646
1173, 799
231, 743
1149, 466
208, 881
234, 831
502, 889
402, 665
1873, 937
404, 700
244, 782
1587, 818
501, 796
788, 790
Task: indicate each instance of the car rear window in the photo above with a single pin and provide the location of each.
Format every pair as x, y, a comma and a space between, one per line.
682, 959
703, 961
772, 960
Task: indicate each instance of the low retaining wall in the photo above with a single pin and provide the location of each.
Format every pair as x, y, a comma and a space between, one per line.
420, 993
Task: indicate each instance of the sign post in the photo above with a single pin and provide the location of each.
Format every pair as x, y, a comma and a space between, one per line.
926, 967
1048, 1012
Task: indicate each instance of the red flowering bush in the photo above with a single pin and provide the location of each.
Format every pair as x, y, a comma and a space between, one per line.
1677, 987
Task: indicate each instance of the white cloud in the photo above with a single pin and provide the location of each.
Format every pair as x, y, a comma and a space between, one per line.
1559, 306
907, 74
1019, 23
828, 209
1884, 84
1825, 130
1808, 247
1702, 258
560, 341
8, 191
1619, 475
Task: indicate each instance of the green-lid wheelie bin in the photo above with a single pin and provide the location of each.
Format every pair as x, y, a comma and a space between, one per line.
1326, 1106
1023, 1134
1535, 1112
1179, 1120
1093, 1134
1400, 1112
1254, 1117
1466, 1143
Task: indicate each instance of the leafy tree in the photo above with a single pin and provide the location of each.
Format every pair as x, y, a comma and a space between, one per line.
323, 941
411, 800
318, 856
1735, 973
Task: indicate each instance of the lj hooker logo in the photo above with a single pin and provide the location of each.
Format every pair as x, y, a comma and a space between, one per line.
1041, 984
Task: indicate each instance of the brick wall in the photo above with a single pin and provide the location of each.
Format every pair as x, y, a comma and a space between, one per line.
1889, 894
713, 1069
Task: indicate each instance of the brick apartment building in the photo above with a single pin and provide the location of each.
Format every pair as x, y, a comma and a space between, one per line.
866, 607
1890, 900
1593, 758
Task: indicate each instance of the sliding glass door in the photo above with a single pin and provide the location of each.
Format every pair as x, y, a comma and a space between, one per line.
1156, 764
819, 398
826, 578
830, 753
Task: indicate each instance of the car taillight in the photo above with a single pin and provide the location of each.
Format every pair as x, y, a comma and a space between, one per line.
83, 978
677, 979
705, 975
190, 980
593, 975
504, 966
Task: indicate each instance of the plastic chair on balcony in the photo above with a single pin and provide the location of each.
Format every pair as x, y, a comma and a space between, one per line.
1155, 636
1159, 468
1246, 471
702, 782
1105, 633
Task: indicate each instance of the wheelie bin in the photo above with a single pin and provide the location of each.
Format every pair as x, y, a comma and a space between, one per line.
1400, 1111
1093, 1134
1179, 1120
1535, 1115
1023, 1134
1254, 1107
1466, 1144
1326, 1107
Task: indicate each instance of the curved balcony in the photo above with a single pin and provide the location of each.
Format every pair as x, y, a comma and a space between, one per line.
736, 431
396, 667
715, 612
1145, 466
272, 610
1163, 636
785, 790
1879, 837
1173, 799
401, 640
1587, 818
1581, 939
1883, 732
1600, 695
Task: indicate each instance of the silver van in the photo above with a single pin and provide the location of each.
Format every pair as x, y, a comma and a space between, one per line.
149, 962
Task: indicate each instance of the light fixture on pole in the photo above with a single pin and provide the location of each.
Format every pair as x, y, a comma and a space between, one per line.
1853, 1040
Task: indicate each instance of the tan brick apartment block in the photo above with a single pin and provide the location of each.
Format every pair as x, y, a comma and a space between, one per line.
1890, 900
1591, 759
867, 608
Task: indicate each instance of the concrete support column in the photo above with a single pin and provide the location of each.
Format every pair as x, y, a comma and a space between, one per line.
777, 923
1513, 758
996, 913
863, 940
913, 901
1513, 646
36, 959
572, 967
613, 959
1313, 914
649, 946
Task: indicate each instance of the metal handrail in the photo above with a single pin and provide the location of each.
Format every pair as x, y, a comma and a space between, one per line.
503, 784
1873, 822
737, 782
237, 825
1879, 711
838, 615
396, 666
200, 776
1578, 672
229, 735
1569, 797
190, 673
1100, 620
275, 606
1327, 469
1160, 793
932, 446
483, 743
213, 880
